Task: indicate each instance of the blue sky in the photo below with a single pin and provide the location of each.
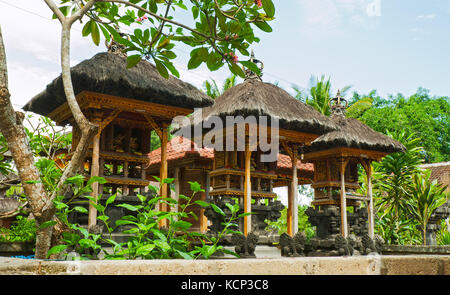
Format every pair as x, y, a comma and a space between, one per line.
389, 45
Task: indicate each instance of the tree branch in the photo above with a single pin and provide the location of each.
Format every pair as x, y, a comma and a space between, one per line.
159, 17
161, 25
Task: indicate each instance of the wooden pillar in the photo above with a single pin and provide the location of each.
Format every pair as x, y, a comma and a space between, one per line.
292, 214
125, 189
368, 169
247, 190
163, 172
204, 223
177, 186
92, 218
344, 230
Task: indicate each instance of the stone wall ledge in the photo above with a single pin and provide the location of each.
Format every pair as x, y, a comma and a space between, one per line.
355, 265
415, 249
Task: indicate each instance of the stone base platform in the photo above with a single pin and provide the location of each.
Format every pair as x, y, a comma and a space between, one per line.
351, 265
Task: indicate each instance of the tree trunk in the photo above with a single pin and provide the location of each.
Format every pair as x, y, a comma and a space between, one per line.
424, 234
14, 133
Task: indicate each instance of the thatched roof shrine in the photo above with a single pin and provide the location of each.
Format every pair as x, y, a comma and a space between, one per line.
352, 133
257, 98
107, 73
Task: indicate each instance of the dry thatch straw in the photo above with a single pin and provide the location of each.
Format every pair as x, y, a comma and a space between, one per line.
107, 73
355, 134
254, 97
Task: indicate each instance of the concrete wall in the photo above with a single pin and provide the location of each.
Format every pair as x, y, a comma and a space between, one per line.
360, 265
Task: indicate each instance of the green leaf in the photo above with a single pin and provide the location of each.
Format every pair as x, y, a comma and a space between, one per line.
202, 203
268, 7
81, 209
56, 250
86, 29
217, 209
83, 231
129, 207
103, 218
77, 180
198, 56
93, 179
195, 186
162, 71
195, 11
145, 249
181, 225
133, 60
194, 62
163, 245
111, 199
141, 198
172, 69
208, 250
169, 54
32, 181
251, 66
46, 224
99, 207
95, 33
237, 70
263, 26
244, 214
226, 251
185, 255
124, 222
168, 180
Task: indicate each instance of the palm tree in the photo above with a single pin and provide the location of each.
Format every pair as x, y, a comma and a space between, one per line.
212, 89
392, 180
424, 198
393, 175
319, 94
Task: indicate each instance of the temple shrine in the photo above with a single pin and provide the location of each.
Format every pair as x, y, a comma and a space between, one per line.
309, 148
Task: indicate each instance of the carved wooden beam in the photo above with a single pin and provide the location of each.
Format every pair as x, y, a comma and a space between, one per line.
287, 148
154, 125
108, 120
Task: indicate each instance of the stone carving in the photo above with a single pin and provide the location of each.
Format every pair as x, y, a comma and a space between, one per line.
368, 245
245, 246
379, 242
292, 246
343, 246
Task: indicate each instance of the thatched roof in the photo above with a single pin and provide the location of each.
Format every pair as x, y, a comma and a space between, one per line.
355, 134
254, 97
107, 73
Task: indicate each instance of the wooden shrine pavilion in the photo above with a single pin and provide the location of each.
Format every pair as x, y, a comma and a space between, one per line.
241, 173
127, 104
336, 156
187, 162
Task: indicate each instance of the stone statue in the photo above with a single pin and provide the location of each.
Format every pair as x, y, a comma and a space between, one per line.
343, 246
245, 246
292, 246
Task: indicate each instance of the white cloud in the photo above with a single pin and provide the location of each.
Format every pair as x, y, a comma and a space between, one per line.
427, 16
331, 15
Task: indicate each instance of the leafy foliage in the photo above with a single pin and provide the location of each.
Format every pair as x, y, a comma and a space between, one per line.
319, 94
147, 239
22, 230
280, 225
214, 91
425, 197
426, 117
222, 28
